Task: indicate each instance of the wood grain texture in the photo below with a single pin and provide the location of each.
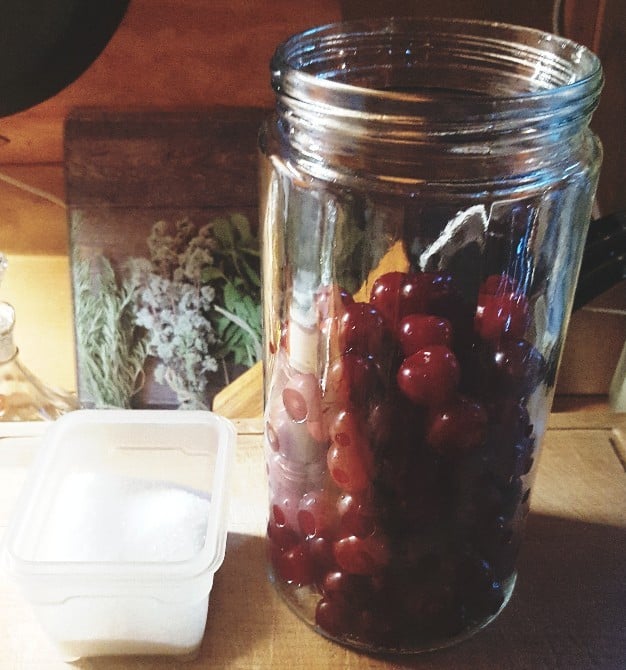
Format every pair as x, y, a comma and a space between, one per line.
601, 26
167, 54
182, 159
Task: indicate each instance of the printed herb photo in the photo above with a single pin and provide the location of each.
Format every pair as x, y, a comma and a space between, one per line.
185, 318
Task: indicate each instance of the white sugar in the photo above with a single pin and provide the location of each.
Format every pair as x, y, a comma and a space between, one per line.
112, 518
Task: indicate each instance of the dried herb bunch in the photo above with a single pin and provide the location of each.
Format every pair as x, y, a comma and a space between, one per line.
112, 348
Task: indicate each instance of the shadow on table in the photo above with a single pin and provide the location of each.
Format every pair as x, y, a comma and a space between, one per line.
235, 623
567, 612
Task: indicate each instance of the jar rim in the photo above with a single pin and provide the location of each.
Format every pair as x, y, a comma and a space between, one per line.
298, 63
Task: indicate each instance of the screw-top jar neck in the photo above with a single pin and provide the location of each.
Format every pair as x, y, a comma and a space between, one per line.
394, 97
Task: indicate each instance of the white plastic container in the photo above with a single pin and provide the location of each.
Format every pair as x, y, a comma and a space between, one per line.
121, 527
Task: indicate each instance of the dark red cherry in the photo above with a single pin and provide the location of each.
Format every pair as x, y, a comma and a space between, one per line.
440, 291
351, 379
362, 556
295, 566
498, 285
295, 442
478, 587
350, 468
361, 329
429, 376
282, 537
458, 427
321, 553
317, 512
519, 367
418, 331
335, 617
351, 589
357, 514
396, 294
499, 315
301, 397
349, 458
284, 509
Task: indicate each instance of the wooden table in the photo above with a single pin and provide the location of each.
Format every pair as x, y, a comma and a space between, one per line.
568, 610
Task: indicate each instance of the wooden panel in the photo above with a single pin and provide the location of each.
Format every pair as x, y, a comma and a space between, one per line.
601, 25
171, 53
198, 158
535, 13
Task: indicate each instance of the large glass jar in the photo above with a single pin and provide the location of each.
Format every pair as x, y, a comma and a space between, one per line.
427, 187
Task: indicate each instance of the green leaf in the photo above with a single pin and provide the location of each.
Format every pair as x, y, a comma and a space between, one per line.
251, 273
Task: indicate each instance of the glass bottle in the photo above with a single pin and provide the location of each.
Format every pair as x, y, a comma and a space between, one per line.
427, 187
24, 397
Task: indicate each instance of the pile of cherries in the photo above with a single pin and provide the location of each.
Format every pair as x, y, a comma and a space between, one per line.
397, 474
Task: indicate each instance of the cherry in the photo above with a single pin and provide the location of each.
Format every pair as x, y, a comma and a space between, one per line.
458, 427
417, 331
349, 458
382, 422
361, 329
350, 468
334, 617
510, 444
362, 555
444, 299
317, 512
271, 436
478, 587
284, 510
292, 440
426, 598
331, 300
295, 566
351, 379
498, 285
321, 553
357, 514
429, 376
341, 586
499, 315
379, 624
282, 537
518, 367
396, 294
440, 291
301, 397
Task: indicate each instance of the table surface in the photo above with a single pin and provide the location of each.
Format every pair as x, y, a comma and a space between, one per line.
570, 602
567, 611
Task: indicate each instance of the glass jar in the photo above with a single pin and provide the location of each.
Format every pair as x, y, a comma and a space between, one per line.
426, 191
23, 396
